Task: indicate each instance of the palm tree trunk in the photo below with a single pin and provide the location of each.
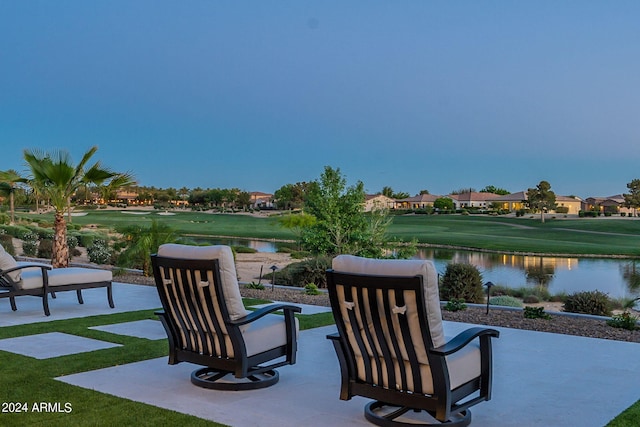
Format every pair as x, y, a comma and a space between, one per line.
60, 248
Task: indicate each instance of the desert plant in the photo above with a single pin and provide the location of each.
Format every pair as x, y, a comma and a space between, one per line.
45, 248
99, 252
530, 299
588, 302
29, 243
455, 305
535, 313
254, 285
624, 320
462, 281
505, 301
312, 270
311, 289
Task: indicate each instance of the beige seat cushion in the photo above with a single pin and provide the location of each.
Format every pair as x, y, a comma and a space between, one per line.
227, 270
402, 267
266, 333
32, 277
7, 262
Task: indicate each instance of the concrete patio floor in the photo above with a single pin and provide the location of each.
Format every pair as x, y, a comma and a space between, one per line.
540, 379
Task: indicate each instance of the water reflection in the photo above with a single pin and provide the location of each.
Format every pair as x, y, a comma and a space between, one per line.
617, 278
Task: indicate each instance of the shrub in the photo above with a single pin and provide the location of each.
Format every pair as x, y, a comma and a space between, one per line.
505, 301
455, 305
588, 302
86, 239
462, 281
45, 249
624, 320
7, 243
535, 313
312, 270
29, 243
254, 285
99, 252
531, 299
72, 242
311, 289
300, 254
244, 250
43, 233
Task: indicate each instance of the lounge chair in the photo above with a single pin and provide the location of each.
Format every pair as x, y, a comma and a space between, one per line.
391, 344
207, 324
18, 279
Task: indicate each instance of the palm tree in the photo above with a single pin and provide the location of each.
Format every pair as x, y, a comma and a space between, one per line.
8, 181
144, 241
58, 179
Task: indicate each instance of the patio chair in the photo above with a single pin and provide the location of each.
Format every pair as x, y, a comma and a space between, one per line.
207, 324
391, 344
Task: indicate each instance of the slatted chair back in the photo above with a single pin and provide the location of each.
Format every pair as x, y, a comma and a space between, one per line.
391, 344
385, 320
207, 324
199, 292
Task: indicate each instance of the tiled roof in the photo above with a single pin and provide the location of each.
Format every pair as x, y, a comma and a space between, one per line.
420, 198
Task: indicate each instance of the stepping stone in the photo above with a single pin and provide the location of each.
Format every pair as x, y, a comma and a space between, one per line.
149, 329
52, 344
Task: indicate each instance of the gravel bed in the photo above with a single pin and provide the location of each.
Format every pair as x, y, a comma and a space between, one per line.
559, 323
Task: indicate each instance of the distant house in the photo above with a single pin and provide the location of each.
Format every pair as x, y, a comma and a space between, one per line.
373, 201
261, 200
419, 201
515, 201
613, 204
512, 202
473, 199
572, 203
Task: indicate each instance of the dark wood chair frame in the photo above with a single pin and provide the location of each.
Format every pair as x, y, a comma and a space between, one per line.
445, 405
240, 365
9, 288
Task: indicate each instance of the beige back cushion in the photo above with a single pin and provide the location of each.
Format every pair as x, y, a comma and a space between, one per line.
408, 268
227, 270
7, 262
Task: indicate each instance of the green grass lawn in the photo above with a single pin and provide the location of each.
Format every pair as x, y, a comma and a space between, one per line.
598, 236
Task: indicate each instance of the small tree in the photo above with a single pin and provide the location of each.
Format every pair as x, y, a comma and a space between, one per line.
297, 223
541, 198
443, 204
632, 199
340, 225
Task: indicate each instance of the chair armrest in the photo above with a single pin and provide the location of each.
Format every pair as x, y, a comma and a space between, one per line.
21, 267
255, 315
334, 337
462, 339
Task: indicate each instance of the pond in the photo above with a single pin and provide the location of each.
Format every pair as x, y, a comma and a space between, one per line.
616, 277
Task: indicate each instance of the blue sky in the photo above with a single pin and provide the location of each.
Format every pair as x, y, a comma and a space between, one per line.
436, 95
